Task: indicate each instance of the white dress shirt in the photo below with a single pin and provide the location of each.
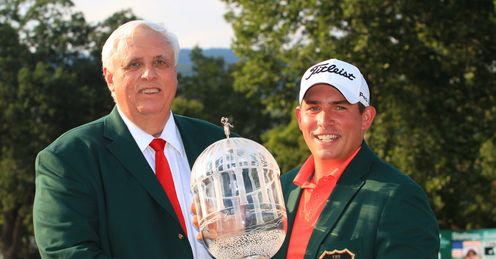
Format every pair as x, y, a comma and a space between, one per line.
179, 165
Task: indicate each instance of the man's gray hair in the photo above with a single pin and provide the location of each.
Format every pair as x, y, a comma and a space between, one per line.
126, 30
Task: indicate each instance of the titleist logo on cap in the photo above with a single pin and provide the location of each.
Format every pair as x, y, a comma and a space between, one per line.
330, 69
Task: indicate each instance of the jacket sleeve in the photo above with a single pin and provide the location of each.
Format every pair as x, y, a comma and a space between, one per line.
407, 226
65, 213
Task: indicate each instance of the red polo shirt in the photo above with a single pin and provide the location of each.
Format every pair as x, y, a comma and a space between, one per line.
312, 202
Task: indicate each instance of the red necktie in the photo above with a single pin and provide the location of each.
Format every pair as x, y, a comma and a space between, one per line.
164, 175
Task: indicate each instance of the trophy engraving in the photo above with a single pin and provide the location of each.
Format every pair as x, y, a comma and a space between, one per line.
238, 198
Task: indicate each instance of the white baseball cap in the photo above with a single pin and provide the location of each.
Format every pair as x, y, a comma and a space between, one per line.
342, 75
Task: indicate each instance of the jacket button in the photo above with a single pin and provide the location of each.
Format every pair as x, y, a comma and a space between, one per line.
180, 236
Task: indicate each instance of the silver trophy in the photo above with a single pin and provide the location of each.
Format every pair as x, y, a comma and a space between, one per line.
238, 199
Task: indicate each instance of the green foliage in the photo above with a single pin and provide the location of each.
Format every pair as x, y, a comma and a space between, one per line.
184, 106
487, 159
431, 69
49, 83
16, 187
289, 149
211, 96
486, 163
102, 30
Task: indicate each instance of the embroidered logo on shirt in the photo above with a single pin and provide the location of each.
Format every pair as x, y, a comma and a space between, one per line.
337, 254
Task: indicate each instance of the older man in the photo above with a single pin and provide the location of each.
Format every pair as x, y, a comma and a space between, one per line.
119, 186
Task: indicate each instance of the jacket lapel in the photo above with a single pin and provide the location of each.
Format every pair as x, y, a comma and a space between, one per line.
292, 203
292, 195
350, 183
125, 149
196, 136
192, 141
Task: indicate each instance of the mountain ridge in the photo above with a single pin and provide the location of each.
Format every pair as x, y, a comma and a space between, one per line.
185, 65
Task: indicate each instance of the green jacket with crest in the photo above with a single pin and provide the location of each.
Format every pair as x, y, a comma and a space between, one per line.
375, 211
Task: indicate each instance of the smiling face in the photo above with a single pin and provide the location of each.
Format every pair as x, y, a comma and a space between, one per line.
332, 127
142, 77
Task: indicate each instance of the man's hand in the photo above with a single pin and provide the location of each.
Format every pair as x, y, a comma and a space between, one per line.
216, 222
195, 220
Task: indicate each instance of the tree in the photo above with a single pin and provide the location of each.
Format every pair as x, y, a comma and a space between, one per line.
209, 94
286, 144
15, 188
431, 69
102, 30
49, 83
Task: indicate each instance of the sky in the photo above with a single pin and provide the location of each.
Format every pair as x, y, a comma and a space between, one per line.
195, 22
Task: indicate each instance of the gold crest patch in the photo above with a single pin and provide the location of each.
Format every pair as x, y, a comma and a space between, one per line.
337, 254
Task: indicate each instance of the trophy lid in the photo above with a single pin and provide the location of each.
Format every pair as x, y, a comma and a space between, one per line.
230, 155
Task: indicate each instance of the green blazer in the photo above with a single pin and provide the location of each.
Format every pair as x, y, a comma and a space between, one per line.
375, 211
97, 197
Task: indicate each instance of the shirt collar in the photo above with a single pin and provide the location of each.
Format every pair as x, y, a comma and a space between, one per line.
305, 175
170, 133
